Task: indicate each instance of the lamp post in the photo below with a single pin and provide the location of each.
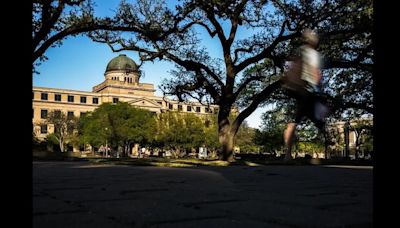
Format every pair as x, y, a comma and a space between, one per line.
346, 138
106, 142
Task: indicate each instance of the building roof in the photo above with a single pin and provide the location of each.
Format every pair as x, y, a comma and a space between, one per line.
122, 63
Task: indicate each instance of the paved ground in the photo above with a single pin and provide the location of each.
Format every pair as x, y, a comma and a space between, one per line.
78, 194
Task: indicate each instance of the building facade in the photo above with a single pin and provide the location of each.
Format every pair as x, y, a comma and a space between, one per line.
121, 83
358, 133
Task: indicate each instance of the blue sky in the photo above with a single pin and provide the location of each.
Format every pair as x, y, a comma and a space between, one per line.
79, 64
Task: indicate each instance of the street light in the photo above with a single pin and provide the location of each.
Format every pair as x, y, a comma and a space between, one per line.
106, 141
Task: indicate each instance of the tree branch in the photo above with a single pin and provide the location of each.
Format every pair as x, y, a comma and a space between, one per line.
338, 103
267, 52
48, 21
76, 30
235, 21
211, 33
245, 83
257, 99
197, 67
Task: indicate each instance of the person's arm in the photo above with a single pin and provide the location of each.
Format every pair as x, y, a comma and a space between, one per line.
317, 75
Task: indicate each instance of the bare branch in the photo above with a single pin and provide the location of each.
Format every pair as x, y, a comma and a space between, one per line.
211, 33
245, 83
267, 52
235, 20
48, 21
257, 99
76, 30
195, 66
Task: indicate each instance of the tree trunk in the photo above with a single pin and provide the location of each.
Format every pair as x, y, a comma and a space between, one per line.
226, 139
227, 146
61, 143
61, 146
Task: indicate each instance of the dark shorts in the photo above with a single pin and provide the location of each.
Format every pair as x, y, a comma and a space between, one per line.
306, 109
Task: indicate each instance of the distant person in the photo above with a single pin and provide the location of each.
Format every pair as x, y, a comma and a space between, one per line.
303, 81
143, 152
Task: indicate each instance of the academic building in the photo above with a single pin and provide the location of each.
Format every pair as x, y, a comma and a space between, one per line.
121, 83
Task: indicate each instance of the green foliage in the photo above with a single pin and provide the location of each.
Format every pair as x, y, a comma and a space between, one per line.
63, 128
270, 137
170, 32
310, 147
245, 139
51, 139
363, 132
180, 130
120, 124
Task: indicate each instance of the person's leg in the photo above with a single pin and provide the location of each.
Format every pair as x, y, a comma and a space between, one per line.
288, 136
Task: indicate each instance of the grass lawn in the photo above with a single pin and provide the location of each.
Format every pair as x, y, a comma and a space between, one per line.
193, 162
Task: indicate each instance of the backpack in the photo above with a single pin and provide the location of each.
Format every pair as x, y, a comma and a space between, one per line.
291, 80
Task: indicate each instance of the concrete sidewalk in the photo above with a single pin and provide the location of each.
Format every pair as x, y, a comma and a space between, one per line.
80, 194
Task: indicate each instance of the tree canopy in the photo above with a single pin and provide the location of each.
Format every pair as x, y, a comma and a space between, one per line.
247, 72
120, 124
64, 127
174, 34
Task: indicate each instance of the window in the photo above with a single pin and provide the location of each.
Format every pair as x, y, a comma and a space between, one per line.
70, 130
44, 96
70, 115
43, 129
159, 102
83, 114
171, 106
179, 107
83, 99
115, 100
57, 113
95, 100
197, 109
189, 108
207, 123
57, 97
70, 98
56, 129
216, 110
43, 114
207, 110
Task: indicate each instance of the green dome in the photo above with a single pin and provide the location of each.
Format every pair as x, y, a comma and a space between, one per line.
122, 63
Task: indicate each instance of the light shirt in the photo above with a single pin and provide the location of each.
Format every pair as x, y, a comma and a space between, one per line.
311, 59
